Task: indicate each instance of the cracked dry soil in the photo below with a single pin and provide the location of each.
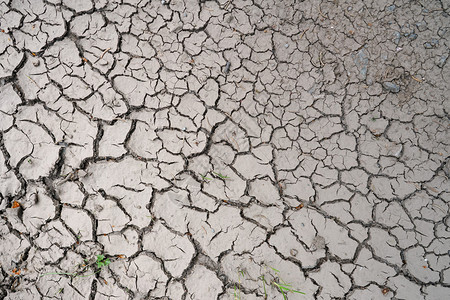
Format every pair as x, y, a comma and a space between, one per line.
215, 149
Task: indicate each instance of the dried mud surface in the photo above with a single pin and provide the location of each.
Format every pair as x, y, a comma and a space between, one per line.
215, 149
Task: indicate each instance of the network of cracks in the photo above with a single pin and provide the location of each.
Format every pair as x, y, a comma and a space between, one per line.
226, 149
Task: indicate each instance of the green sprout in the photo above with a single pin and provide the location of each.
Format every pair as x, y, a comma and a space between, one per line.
264, 285
237, 296
101, 261
205, 178
221, 176
59, 291
284, 287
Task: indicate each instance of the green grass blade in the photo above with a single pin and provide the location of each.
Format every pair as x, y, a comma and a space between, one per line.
205, 178
221, 176
277, 271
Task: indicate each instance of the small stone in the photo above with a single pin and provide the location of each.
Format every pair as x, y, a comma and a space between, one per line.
391, 7
421, 26
286, 45
391, 87
294, 252
397, 37
227, 67
36, 63
413, 36
442, 60
442, 32
349, 8
102, 62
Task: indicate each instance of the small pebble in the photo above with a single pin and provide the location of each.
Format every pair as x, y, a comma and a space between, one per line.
413, 36
349, 8
294, 252
227, 67
442, 60
391, 87
397, 38
391, 7
36, 63
286, 45
421, 26
442, 31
